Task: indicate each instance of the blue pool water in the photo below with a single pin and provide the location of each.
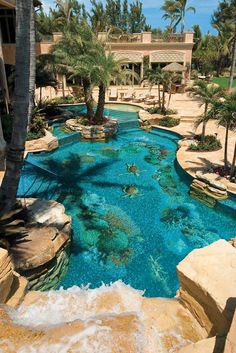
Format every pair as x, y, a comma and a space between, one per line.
134, 227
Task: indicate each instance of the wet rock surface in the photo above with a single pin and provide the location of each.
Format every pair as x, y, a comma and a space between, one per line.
42, 255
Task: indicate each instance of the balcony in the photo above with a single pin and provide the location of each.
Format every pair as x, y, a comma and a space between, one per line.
146, 37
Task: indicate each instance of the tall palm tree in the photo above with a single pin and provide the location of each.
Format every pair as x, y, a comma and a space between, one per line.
175, 10
226, 116
207, 93
74, 54
233, 165
24, 86
154, 77
105, 69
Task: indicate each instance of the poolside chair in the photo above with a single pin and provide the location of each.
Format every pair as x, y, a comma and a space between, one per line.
151, 101
129, 95
113, 94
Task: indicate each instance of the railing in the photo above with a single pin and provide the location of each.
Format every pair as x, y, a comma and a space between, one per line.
168, 37
125, 38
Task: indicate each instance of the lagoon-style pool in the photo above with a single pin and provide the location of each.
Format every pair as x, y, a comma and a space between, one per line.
132, 216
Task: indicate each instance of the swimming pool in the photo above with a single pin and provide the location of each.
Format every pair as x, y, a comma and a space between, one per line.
132, 216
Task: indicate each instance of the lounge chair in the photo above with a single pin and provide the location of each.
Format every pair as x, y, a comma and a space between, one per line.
151, 101
113, 94
129, 95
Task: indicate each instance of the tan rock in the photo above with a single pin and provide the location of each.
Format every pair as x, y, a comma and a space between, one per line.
207, 282
46, 143
41, 245
210, 345
216, 191
47, 213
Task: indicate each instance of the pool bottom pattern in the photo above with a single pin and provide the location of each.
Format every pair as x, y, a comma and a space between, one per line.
132, 216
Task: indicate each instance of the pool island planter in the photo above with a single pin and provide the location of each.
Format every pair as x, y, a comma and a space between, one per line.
94, 132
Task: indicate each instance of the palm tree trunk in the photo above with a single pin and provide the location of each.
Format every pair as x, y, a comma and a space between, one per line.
25, 48
226, 147
233, 166
204, 124
101, 103
40, 95
88, 98
159, 95
163, 100
233, 64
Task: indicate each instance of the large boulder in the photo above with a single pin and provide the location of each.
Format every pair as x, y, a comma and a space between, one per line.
42, 256
208, 285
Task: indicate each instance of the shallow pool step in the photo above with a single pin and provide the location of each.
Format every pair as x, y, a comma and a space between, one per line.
128, 124
70, 138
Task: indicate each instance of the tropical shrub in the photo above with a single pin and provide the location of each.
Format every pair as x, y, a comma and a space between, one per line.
158, 110
168, 121
211, 143
66, 100
37, 125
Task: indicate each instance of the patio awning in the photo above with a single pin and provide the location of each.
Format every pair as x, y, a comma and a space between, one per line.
174, 67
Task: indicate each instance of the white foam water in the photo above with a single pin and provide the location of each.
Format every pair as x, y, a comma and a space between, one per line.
77, 303
90, 307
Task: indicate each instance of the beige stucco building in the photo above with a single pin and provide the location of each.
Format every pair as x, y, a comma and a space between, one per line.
137, 51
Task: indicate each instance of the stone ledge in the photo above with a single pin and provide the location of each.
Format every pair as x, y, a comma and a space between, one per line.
45, 143
208, 285
94, 132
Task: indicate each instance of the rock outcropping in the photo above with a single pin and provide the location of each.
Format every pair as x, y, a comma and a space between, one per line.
43, 255
12, 286
208, 286
94, 132
207, 190
46, 143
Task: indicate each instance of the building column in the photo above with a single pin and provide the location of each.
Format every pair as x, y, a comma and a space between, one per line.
142, 70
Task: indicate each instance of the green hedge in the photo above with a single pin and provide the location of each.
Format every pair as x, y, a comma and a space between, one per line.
211, 143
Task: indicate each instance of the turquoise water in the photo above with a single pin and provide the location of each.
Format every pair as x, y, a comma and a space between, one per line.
132, 216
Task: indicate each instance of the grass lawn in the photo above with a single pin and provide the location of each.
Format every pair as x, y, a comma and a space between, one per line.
223, 81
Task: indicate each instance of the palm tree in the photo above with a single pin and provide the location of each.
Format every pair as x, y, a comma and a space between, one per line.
207, 93
154, 77
233, 165
226, 116
24, 86
105, 69
74, 54
175, 10
45, 73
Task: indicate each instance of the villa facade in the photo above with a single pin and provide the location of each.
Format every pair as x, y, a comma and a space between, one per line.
137, 51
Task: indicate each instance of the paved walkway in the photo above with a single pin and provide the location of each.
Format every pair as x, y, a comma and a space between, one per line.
203, 161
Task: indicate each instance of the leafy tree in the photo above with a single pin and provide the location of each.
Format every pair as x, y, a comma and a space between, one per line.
207, 94
175, 10
226, 116
137, 20
226, 13
125, 16
98, 17
45, 73
197, 36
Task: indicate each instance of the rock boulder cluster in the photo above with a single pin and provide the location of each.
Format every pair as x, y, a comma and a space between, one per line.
206, 189
94, 132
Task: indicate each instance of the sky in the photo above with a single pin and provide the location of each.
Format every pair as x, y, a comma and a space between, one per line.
151, 9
